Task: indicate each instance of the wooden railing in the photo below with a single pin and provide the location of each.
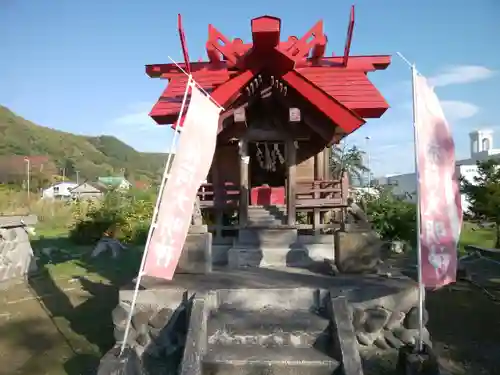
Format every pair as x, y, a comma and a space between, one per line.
227, 195
323, 203
321, 194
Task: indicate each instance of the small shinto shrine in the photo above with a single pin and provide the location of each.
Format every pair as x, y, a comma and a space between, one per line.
256, 295
285, 104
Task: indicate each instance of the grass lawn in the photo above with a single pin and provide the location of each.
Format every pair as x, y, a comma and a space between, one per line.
60, 322
472, 234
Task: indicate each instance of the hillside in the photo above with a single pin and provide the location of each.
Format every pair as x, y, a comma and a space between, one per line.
91, 156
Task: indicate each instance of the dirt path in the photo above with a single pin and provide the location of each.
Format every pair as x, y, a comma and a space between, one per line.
54, 331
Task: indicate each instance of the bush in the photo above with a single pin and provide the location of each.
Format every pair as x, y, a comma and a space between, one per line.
392, 218
124, 216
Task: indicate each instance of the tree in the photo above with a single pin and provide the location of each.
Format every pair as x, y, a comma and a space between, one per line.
349, 160
483, 193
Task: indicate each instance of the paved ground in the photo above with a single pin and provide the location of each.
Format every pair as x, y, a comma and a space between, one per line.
44, 330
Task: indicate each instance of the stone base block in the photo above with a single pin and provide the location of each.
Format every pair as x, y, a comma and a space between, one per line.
357, 252
268, 237
196, 256
240, 257
16, 255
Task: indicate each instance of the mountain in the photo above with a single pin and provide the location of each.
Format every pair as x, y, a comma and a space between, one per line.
90, 156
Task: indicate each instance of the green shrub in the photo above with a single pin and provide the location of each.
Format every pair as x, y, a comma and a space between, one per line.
392, 218
124, 216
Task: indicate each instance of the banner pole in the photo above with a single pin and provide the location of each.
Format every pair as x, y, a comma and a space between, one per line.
153, 218
421, 289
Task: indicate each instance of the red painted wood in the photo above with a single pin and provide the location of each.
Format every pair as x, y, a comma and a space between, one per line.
332, 108
350, 30
361, 63
267, 196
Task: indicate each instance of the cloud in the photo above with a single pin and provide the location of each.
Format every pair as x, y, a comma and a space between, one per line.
140, 131
460, 74
456, 110
138, 117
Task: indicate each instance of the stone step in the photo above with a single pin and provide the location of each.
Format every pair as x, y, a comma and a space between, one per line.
273, 237
264, 221
241, 256
270, 327
260, 360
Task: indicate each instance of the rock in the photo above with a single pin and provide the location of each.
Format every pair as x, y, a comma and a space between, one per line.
113, 364
161, 318
364, 339
411, 319
119, 335
398, 247
357, 252
140, 320
392, 340
107, 243
376, 319
143, 339
395, 320
154, 333
358, 318
412, 362
381, 343
120, 316
405, 335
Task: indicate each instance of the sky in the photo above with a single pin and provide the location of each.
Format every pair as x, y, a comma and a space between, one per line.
78, 66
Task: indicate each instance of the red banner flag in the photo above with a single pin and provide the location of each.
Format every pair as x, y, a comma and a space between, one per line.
439, 194
190, 167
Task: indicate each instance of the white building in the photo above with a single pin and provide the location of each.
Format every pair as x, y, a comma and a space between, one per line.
61, 190
481, 148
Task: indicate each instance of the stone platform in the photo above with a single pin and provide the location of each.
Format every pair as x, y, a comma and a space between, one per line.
257, 319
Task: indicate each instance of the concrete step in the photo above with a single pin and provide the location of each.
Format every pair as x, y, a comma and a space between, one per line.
240, 256
270, 327
260, 360
272, 237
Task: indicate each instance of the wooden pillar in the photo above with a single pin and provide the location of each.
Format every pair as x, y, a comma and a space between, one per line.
244, 165
318, 175
345, 195
219, 192
291, 161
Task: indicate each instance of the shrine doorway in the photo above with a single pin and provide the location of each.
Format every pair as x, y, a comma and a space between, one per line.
267, 173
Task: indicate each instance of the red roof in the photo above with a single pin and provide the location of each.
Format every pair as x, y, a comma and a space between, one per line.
337, 86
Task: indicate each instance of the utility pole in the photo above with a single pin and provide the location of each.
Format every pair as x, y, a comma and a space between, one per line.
28, 178
77, 177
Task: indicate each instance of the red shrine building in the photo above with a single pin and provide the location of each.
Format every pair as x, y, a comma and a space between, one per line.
285, 103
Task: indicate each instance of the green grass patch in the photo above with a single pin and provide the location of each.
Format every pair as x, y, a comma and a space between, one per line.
472, 234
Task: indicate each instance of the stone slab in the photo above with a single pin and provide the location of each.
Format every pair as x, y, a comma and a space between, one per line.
363, 287
196, 256
196, 338
345, 344
17, 220
357, 252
